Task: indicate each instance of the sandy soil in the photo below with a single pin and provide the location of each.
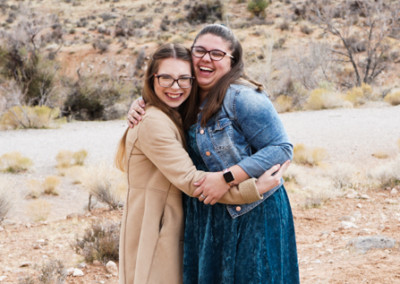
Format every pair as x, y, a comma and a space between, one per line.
348, 135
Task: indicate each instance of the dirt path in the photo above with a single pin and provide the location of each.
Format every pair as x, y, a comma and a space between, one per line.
348, 135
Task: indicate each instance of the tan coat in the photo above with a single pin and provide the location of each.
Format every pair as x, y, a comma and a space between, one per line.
151, 246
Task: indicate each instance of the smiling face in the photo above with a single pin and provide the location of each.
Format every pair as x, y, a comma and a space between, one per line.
173, 96
207, 71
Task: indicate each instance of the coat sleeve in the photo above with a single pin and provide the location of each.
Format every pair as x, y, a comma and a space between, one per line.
260, 124
159, 140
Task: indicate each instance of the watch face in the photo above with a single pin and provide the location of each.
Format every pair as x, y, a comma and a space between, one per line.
228, 176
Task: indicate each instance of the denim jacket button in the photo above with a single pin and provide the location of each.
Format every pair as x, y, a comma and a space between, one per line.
201, 131
238, 208
208, 153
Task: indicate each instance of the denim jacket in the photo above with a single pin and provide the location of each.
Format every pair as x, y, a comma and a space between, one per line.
246, 131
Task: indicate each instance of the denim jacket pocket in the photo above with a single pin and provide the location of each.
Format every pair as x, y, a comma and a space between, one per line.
221, 134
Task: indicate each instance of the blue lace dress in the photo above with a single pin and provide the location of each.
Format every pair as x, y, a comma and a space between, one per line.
257, 247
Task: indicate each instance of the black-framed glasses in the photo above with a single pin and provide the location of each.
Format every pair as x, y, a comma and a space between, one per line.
215, 54
166, 81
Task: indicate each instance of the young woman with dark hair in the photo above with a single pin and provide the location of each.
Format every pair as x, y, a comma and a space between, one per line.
159, 168
234, 129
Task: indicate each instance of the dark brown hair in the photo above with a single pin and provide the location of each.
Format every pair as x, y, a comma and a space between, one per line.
166, 51
216, 95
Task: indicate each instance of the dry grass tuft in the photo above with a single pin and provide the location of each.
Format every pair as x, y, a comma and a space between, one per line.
39, 210
360, 95
393, 98
387, 174
5, 205
14, 162
106, 184
29, 117
309, 157
324, 99
79, 157
380, 155
50, 185
35, 189
66, 158
283, 103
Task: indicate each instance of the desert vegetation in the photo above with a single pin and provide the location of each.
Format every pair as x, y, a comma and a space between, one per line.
62, 61
89, 67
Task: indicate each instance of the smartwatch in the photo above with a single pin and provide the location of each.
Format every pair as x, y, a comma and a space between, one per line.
228, 177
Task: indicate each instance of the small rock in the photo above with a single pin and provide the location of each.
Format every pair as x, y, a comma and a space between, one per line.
37, 246
1, 229
70, 271
25, 264
77, 272
82, 265
2, 278
359, 205
394, 191
391, 201
352, 195
366, 243
364, 196
112, 268
347, 225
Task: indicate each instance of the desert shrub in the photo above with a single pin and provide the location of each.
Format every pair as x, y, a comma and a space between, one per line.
324, 99
283, 103
393, 98
35, 189
39, 210
380, 155
257, 7
305, 29
100, 242
50, 185
29, 117
359, 95
5, 205
79, 157
309, 157
66, 158
89, 98
52, 271
101, 44
284, 26
205, 12
387, 174
33, 73
14, 162
106, 184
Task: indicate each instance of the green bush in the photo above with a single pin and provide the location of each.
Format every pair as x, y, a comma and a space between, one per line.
257, 7
88, 99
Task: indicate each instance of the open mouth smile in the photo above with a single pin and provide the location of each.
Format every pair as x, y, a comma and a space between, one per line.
174, 96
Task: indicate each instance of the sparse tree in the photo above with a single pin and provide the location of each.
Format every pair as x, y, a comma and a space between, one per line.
363, 29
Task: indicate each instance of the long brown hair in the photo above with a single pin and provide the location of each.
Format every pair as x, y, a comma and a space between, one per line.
166, 51
216, 95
